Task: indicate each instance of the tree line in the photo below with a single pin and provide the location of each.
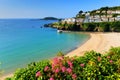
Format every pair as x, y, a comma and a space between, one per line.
92, 26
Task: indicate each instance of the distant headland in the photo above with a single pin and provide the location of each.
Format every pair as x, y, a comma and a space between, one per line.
50, 18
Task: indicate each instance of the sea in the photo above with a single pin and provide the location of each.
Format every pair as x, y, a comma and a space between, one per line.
23, 41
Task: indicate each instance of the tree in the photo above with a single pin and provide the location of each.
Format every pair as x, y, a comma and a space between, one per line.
93, 13
114, 15
80, 12
100, 14
106, 9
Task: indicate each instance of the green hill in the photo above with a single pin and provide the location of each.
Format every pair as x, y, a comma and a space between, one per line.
50, 18
100, 11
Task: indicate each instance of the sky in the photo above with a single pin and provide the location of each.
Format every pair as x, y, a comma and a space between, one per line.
52, 8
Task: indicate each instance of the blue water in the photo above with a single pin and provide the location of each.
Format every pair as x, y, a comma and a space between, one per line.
23, 41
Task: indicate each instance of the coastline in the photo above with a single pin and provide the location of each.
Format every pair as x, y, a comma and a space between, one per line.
98, 41
6, 76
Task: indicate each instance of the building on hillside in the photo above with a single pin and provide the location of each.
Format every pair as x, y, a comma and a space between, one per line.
109, 16
87, 18
95, 19
103, 11
109, 12
97, 11
116, 12
97, 16
111, 19
79, 20
118, 18
104, 19
69, 20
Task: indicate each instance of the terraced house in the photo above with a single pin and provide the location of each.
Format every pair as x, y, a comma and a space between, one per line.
104, 14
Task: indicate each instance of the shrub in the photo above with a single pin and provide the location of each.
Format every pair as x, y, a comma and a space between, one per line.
91, 66
94, 26
105, 26
60, 54
115, 26
90, 26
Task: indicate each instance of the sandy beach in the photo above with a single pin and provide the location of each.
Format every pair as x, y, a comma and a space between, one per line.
99, 42
6, 76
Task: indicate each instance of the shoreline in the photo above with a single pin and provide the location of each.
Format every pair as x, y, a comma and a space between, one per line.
3, 77
98, 41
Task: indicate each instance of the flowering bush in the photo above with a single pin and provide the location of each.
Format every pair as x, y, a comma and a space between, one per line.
91, 66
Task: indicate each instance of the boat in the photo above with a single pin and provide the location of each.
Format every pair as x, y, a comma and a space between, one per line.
59, 31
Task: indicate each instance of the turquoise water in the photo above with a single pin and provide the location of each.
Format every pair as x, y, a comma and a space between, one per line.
23, 41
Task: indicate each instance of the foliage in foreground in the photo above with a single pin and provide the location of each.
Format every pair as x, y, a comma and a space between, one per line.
91, 66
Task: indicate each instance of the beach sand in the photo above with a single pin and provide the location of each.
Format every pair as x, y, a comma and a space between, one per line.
99, 42
6, 76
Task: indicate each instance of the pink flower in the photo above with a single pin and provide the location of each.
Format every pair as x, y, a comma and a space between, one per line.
74, 76
111, 61
53, 66
46, 68
56, 61
69, 70
82, 65
57, 70
99, 58
60, 64
63, 69
38, 74
51, 78
70, 64
108, 57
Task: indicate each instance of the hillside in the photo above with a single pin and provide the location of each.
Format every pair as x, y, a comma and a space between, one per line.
101, 11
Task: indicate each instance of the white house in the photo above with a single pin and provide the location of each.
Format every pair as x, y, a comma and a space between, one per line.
79, 20
69, 20
116, 12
